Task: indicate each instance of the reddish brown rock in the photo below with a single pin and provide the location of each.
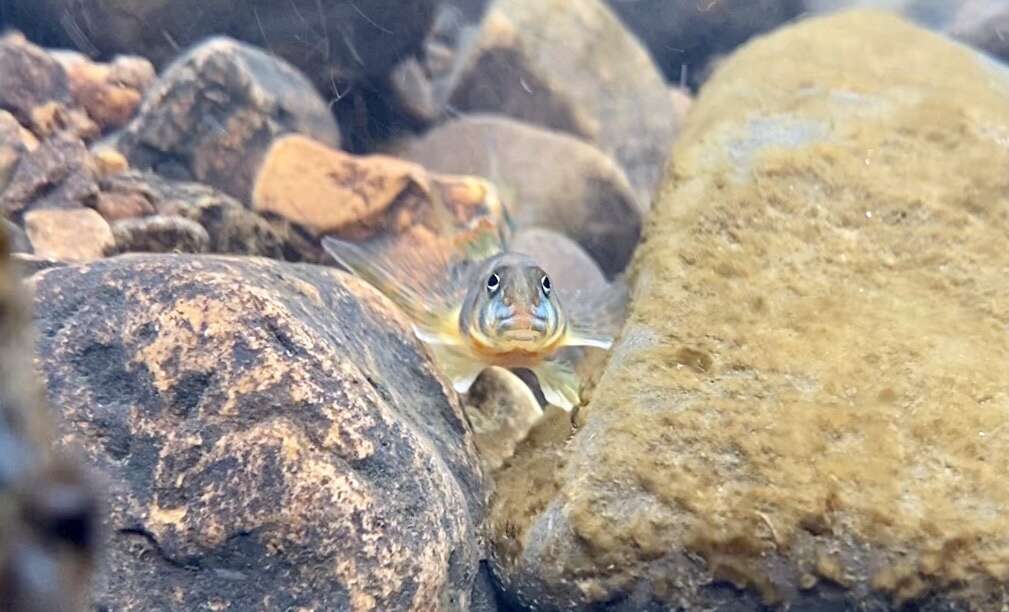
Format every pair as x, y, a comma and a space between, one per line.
546, 178
73, 235
29, 78
273, 435
570, 65
214, 112
59, 173
110, 92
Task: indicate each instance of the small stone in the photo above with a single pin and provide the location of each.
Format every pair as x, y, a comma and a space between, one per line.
109, 93
214, 113
51, 118
327, 190
29, 78
570, 65
114, 206
109, 161
502, 410
15, 143
60, 173
17, 239
160, 234
566, 185
72, 235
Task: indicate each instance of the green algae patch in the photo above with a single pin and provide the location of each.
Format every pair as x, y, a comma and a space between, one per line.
809, 400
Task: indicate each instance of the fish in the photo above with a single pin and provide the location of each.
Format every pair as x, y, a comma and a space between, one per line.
487, 306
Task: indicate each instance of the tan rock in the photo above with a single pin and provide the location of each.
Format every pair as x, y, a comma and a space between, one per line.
502, 409
110, 93
114, 206
807, 406
75, 235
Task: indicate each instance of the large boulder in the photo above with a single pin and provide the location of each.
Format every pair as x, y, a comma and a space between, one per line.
331, 41
570, 65
807, 404
272, 435
214, 112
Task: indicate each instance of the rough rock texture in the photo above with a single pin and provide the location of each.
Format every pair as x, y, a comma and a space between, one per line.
808, 402
48, 509
273, 436
333, 41
59, 173
29, 78
502, 410
546, 179
160, 234
570, 65
232, 228
73, 235
214, 112
684, 36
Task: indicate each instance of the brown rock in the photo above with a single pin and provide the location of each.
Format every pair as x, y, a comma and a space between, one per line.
803, 407
110, 93
214, 112
570, 65
15, 142
160, 234
60, 173
502, 409
118, 205
109, 161
546, 178
231, 227
54, 118
48, 531
74, 235
29, 78
273, 436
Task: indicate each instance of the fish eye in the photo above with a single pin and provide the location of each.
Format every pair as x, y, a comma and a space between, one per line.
545, 283
493, 282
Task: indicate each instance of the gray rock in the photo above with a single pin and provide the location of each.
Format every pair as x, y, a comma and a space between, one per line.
59, 173
160, 234
547, 179
17, 239
570, 65
214, 112
29, 78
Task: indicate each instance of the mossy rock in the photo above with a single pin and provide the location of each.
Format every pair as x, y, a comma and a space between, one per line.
807, 405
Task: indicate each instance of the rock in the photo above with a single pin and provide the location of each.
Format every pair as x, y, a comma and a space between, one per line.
273, 436
984, 25
115, 206
160, 234
804, 403
59, 173
501, 409
333, 41
214, 113
230, 227
73, 235
328, 191
29, 78
25, 265
562, 258
684, 36
48, 536
109, 92
17, 239
571, 66
584, 194
414, 91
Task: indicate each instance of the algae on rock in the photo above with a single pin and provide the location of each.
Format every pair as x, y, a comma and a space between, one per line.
808, 402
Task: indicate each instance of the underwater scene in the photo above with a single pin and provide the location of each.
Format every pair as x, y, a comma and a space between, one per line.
504, 305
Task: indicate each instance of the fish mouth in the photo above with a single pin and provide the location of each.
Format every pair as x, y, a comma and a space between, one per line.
522, 328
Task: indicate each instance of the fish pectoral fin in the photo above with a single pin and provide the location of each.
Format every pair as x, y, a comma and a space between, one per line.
458, 367
583, 337
560, 384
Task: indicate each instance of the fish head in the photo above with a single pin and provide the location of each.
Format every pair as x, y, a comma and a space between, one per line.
511, 305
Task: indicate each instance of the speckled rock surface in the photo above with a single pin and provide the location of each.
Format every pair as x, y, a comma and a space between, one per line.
48, 508
214, 112
570, 65
160, 234
547, 179
273, 437
807, 404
